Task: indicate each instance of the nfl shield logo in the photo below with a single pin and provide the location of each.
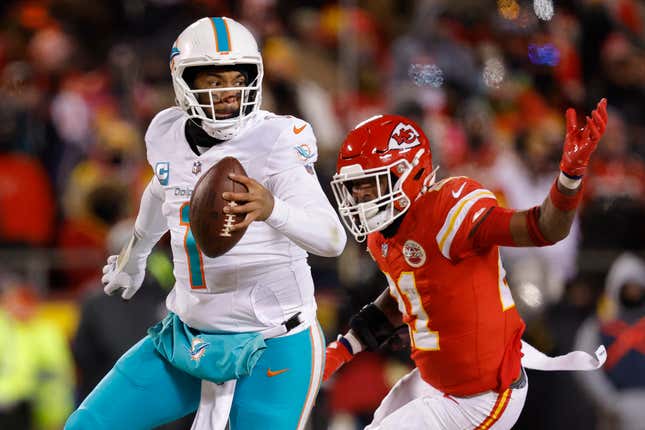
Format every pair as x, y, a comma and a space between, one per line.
197, 167
384, 249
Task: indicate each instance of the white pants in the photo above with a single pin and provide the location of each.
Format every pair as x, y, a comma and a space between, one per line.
414, 404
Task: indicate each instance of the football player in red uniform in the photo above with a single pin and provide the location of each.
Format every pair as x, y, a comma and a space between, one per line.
437, 244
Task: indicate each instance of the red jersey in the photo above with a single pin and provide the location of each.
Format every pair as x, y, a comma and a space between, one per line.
464, 328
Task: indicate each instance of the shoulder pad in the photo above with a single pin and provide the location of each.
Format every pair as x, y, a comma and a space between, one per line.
295, 146
162, 122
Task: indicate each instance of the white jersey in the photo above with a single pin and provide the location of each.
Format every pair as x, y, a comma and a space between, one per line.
264, 278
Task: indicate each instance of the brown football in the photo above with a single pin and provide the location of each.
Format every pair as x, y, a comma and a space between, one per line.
208, 222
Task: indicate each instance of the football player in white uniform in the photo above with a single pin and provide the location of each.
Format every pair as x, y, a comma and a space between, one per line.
251, 309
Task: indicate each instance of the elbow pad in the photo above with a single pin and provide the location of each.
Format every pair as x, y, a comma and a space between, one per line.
372, 327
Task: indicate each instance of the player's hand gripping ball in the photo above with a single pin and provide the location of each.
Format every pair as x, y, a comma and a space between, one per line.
211, 226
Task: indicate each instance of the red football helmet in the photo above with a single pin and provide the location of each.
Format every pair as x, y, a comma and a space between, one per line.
391, 150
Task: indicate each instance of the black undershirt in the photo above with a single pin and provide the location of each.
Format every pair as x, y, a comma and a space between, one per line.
196, 136
391, 229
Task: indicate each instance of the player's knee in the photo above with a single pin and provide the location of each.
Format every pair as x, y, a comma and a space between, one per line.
83, 419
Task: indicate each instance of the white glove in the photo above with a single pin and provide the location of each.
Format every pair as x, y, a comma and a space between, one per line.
123, 273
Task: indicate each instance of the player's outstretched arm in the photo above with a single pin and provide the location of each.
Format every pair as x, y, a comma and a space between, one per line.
551, 222
370, 328
125, 272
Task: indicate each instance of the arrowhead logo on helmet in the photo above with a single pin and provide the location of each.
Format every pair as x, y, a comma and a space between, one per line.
393, 153
404, 136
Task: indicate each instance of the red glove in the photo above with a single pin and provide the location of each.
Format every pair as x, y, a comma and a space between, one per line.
336, 355
580, 143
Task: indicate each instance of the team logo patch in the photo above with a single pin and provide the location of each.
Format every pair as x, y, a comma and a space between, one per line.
162, 172
404, 136
304, 152
198, 349
197, 167
413, 253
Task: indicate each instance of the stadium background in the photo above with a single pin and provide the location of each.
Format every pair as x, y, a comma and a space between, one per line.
489, 82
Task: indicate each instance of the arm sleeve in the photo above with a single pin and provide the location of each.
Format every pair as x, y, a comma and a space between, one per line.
488, 225
472, 219
462, 204
303, 213
150, 224
494, 228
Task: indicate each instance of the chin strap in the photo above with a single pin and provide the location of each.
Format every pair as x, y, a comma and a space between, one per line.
378, 219
226, 133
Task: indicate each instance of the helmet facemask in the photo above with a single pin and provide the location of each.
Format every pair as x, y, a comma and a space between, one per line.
393, 150
391, 202
203, 108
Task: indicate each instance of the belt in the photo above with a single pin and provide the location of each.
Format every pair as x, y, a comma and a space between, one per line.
520, 382
283, 328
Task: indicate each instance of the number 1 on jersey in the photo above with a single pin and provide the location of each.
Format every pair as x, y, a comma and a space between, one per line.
193, 253
408, 297
411, 306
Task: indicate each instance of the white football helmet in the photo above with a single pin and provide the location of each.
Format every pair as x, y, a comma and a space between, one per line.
218, 41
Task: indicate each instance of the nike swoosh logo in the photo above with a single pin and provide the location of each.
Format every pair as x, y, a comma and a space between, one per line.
271, 373
457, 193
297, 130
479, 212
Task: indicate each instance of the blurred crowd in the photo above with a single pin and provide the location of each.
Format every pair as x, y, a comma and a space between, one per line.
489, 82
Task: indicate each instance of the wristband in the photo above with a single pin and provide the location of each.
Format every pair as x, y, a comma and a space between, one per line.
355, 345
568, 181
562, 201
352, 344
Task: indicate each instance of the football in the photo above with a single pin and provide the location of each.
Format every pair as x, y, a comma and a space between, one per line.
208, 222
